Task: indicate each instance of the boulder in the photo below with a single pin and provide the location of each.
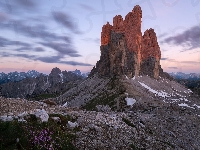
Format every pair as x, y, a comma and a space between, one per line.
41, 115
72, 124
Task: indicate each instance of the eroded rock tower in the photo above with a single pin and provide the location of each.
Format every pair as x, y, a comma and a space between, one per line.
124, 51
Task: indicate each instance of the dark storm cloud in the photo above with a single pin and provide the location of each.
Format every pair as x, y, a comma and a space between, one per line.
86, 7
67, 21
62, 48
172, 67
189, 38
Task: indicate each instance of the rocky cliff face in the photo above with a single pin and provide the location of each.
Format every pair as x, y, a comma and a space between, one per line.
124, 51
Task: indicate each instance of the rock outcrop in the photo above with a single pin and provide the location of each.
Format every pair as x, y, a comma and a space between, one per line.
124, 51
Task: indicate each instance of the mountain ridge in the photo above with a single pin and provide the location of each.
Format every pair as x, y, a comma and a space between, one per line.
54, 83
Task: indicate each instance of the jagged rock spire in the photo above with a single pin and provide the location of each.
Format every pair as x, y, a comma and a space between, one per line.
125, 51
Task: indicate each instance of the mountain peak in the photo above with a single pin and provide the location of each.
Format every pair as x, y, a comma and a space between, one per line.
124, 51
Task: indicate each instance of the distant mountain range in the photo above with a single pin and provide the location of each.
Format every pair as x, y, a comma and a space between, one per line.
34, 84
19, 76
191, 81
190, 76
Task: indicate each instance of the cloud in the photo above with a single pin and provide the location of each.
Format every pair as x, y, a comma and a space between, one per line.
74, 63
3, 17
95, 40
17, 7
51, 59
67, 21
172, 67
56, 59
164, 58
39, 31
162, 35
48, 59
62, 44
62, 48
86, 7
39, 49
189, 38
25, 3
6, 42
29, 48
31, 57
6, 54
22, 49
190, 62
183, 62
36, 28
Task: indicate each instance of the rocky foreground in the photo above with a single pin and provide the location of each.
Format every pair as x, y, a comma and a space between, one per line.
149, 127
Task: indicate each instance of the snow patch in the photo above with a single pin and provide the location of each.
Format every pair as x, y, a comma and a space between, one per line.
6, 118
130, 101
133, 78
159, 93
22, 114
196, 105
185, 105
65, 104
186, 100
61, 75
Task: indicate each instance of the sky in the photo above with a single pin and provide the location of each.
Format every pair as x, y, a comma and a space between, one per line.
40, 35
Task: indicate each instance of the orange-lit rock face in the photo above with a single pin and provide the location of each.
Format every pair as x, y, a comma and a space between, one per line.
118, 25
127, 51
150, 47
105, 34
133, 29
131, 26
144, 46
